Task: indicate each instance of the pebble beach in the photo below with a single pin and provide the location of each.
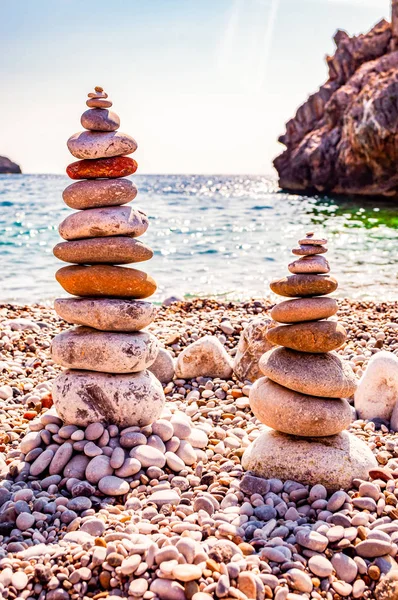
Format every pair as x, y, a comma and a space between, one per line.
189, 523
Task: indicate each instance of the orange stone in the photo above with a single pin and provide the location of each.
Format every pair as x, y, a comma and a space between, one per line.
106, 280
117, 166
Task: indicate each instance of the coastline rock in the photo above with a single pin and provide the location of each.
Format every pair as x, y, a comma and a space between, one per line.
106, 280
377, 392
251, 346
163, 366
98, 193
206, 357
100, 119
116, 250
326, 375
304, 285
304, 309
312, 336
330, 461
297, 414
8, 167
310, 264
104, 222
117, 166
106, 314
84, 397
89, 349
100, 144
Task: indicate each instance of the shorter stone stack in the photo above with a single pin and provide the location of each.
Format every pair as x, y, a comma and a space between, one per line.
305, 385
107, 355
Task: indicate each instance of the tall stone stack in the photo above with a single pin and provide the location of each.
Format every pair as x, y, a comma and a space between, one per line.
106, 355
303, 394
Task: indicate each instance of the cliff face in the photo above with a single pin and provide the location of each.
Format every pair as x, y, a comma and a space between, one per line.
7, 166
344, 138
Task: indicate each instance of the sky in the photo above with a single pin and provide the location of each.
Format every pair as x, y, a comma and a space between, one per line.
204, 86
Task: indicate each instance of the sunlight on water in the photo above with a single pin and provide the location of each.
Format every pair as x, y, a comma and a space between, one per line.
212, 235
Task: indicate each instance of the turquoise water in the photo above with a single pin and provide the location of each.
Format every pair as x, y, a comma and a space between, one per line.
212, 235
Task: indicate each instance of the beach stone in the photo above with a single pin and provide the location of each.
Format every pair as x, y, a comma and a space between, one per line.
326, 375
312, 540
295, 413
304, 309
186, 572
117, 458
309, 250
99, 193
304, 285
97, 468
31, 441
167, 589
181, 426
117, 166
113, 486
106, 280
100, 119
110, 250
132, 438
76, 467
95, 527
316, 264
89, 349
331, 461
164, 429
320, 565
94, 431
25, 521
377, 391
84, 397
163, 367
387, 588
252, 345
371, 548
313, 336
94, 144
61, 458
41, 463
346, 568
19, 580
106, 314
206, 357
162, 497
148, 456
98, 102
311, 241
130, 467
103, 222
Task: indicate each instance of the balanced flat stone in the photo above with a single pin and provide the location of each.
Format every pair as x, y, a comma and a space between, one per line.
310, 240
295, 413
97, 193
333, 461
324, 375
101, 144
108, 250
117, 166
106, 280
304, 285
316, 264
98, 102
312, 336
309, 250
106, 314
100, 119
103, 222
93, 350
84, 397
304, 309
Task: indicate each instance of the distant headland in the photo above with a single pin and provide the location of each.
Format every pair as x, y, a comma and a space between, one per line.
7, 166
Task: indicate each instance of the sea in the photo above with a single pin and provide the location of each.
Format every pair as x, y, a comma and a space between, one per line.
220, 236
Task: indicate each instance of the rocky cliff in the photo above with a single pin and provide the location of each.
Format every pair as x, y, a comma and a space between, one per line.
7, 166
344, 138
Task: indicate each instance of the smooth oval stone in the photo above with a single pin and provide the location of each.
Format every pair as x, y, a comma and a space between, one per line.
106, 280
106, 314
304, 309
312, 336
84, 397
100, 119
97, 193
310, 264
117, 166
98, 102
113, 486
326, 375
333, 461
310, 240
109, 250
295, 413
99, 144
304, 285
93, 350
104, 222
309, 250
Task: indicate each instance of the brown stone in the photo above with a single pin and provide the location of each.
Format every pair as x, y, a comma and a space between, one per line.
304, 285
323, 374
99, 192
117, 166
100, 119
108, 250
316, 264
304, 309
98, 103
101, 144
308, 250
312, 241
104, 222
312, 336
251, 346
297, 414
106, 280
